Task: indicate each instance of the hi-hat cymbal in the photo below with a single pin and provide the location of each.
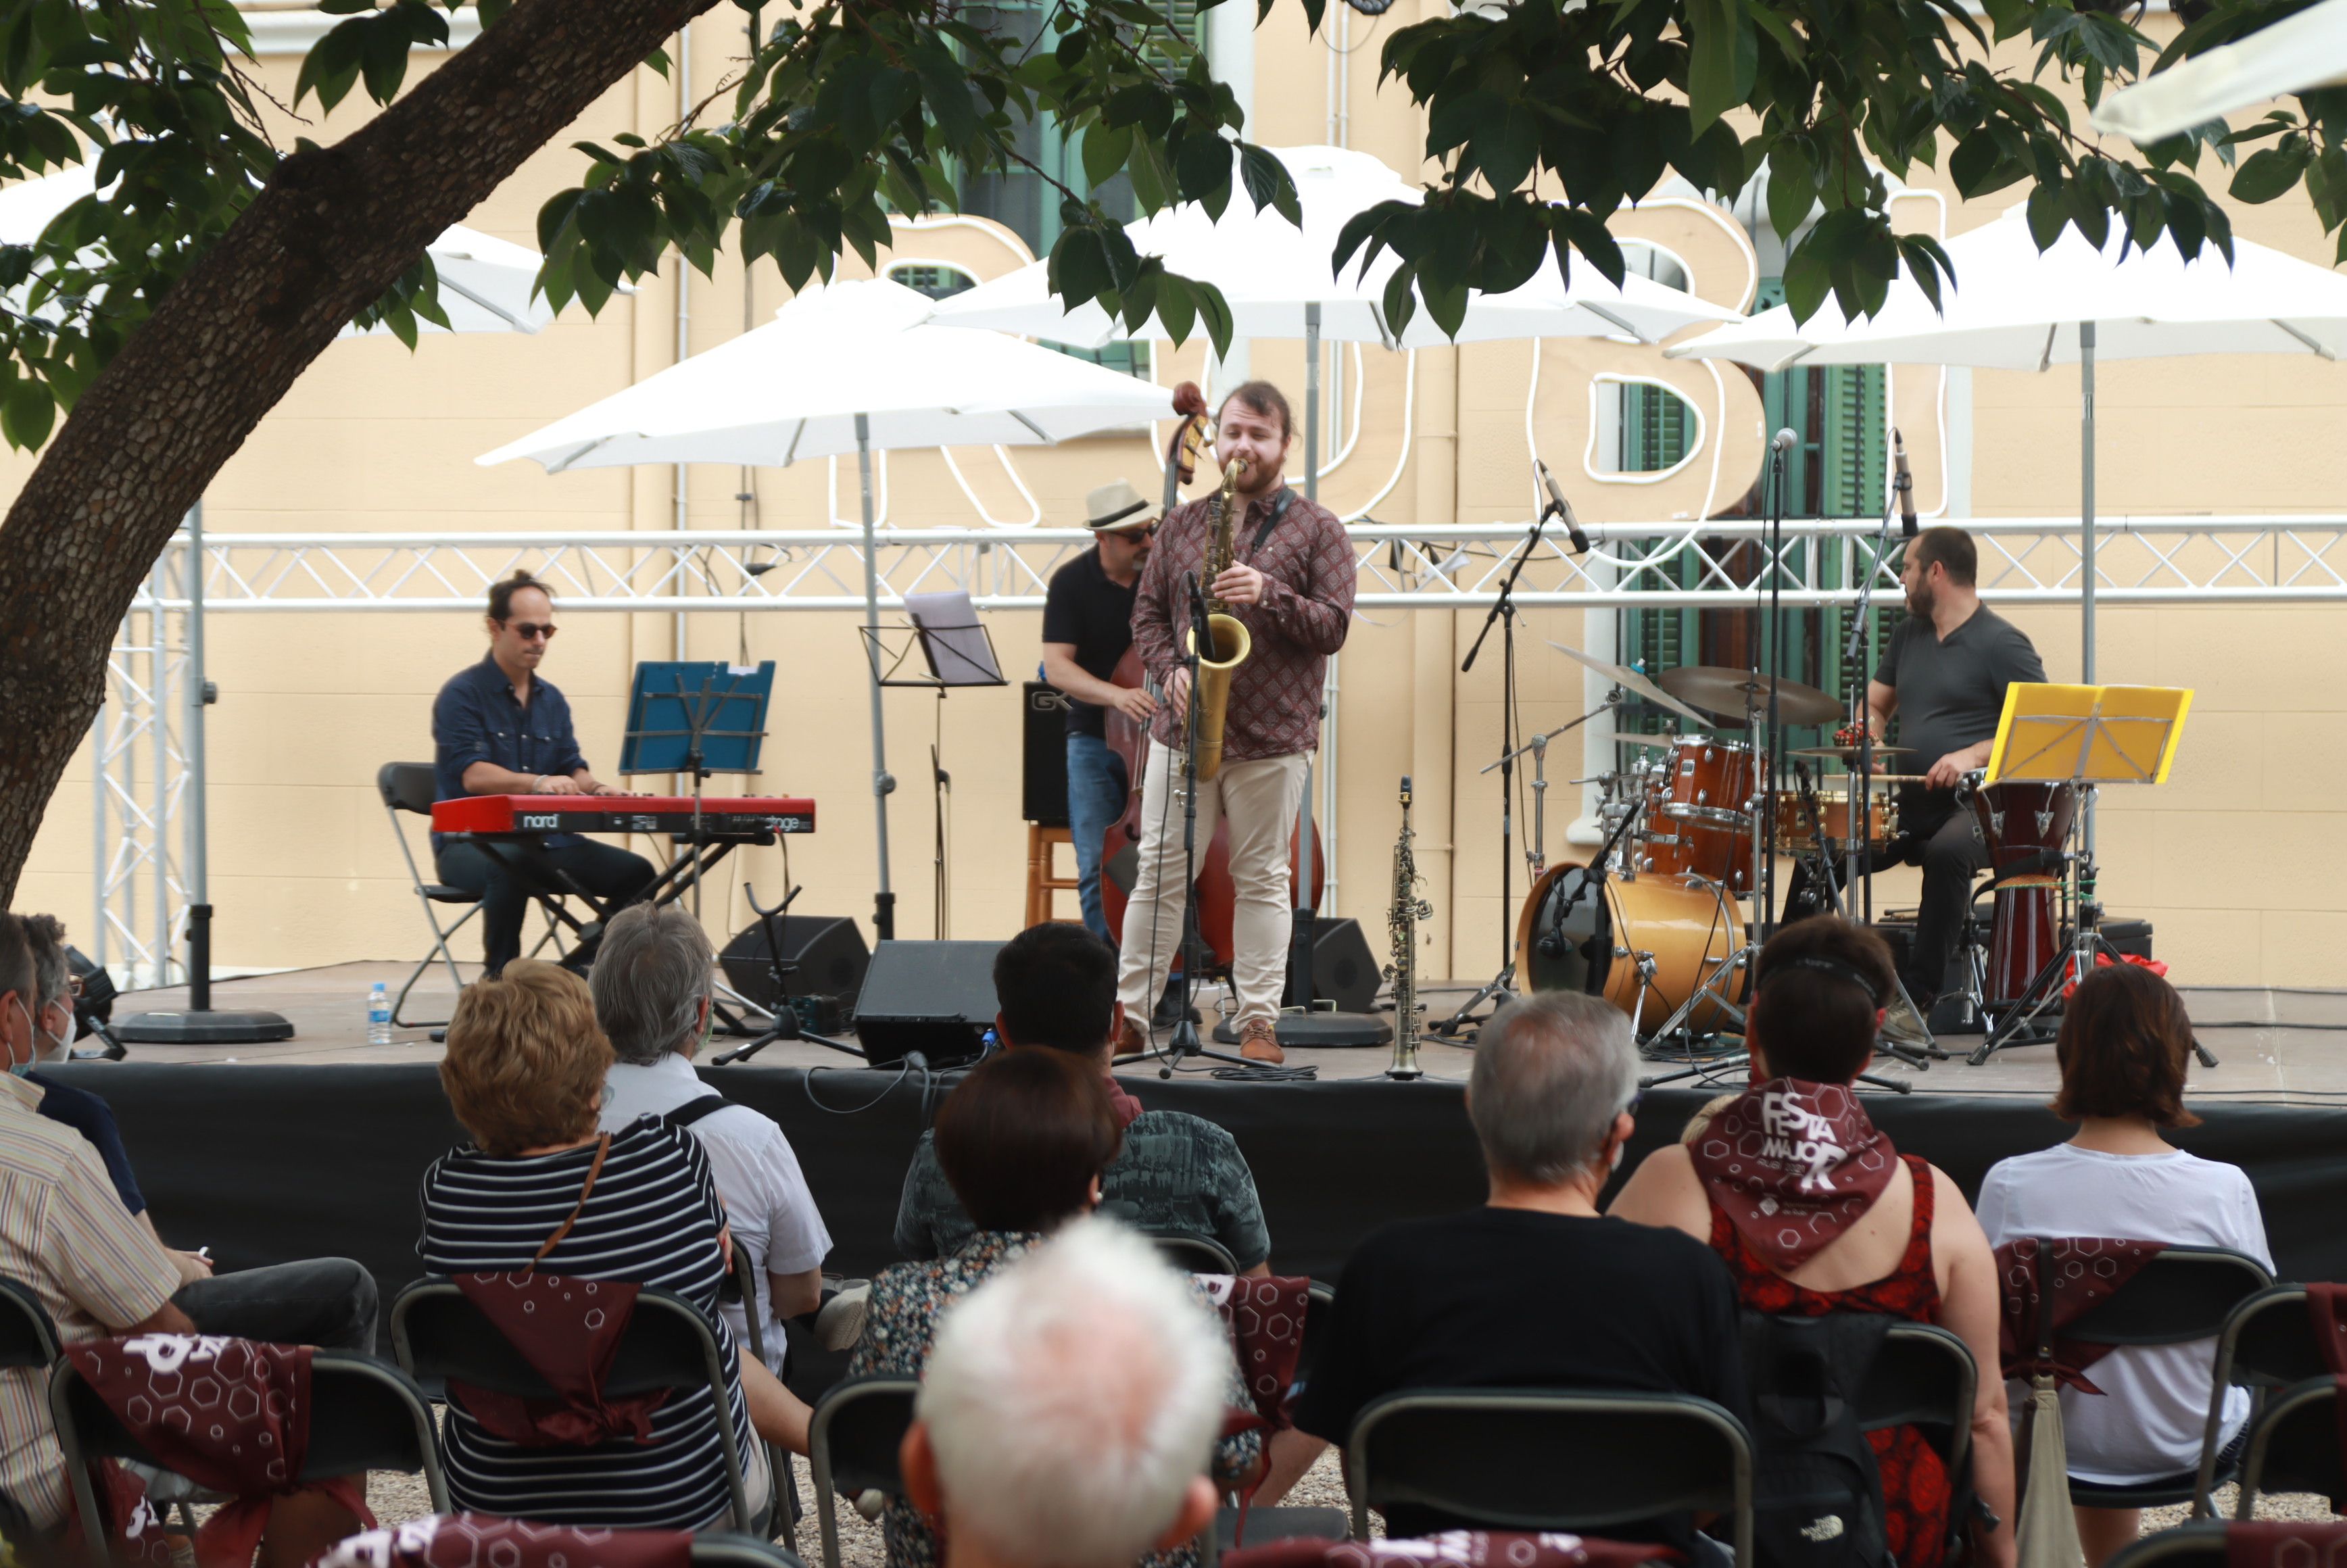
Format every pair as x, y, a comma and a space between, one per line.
1628, 679
1730, 693
1849, 754
1653, 743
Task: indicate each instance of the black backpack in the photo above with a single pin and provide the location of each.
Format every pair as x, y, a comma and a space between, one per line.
1817, 1493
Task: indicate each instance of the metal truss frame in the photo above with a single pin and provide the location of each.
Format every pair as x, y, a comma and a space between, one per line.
140, 778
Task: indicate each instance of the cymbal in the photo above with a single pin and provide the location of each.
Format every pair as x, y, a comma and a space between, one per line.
1849, 754
1623, 676
1728, 694
1655, 743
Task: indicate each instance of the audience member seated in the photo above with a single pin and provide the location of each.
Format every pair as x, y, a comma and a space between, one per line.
66, 1236
2125, 1044
1847, 1224
1535, 1289
330, 1301
1179, 1174
524, 1073
1025, 1140
1070, 1406
654, 980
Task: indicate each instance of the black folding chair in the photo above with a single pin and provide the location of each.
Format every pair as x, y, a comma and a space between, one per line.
1194, 1254
438, 1334
411, 788
852, 1444
744, 1293
2182, 1295
2267, 1345
27, 1340
1539, 1461
2293, 1444
1287, 1524
2197, 1545
729, 1548
1925, 1377
364, 1416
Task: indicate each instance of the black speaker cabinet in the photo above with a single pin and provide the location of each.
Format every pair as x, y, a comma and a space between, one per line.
829, 952
1043, 780
936, 998
1343, 969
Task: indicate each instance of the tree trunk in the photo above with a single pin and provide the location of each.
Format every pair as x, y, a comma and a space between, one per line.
334, 228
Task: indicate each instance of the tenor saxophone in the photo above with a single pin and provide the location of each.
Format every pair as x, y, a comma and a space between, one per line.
1227, 635
1401, 920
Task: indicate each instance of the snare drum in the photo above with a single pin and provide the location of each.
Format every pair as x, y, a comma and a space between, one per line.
1700, 806
1689, 926
2019, 822
1793, 830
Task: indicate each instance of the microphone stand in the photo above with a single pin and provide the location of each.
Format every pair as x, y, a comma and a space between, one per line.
1502, 613
1185, 1043
1861, 865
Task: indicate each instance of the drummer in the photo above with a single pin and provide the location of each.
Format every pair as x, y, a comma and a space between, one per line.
1944, 677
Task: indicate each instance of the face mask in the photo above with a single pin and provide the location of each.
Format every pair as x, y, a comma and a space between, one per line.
25, 1069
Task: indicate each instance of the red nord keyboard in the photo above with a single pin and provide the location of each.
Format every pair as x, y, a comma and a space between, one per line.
523, 813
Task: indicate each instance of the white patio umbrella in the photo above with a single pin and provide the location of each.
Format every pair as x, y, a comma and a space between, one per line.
2011, 307
486, 285
852, 367
1280, 283
2299, 52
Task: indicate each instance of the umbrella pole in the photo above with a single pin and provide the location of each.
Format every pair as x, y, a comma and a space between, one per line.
883, 902
2086, 532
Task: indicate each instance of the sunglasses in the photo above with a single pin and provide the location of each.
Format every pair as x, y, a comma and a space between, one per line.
531, 632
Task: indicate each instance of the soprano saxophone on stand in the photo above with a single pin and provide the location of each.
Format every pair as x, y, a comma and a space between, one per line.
1401, 919
1227, 632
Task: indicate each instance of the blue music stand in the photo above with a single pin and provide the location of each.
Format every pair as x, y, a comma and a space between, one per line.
697, 717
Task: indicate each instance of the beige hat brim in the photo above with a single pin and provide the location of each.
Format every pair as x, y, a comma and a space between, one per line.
1141, 519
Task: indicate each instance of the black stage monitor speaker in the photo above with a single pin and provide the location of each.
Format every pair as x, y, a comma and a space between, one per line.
1043, 782
829, 952
1343, 970
936, 998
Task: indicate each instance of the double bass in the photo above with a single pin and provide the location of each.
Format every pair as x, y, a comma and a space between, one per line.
1213, 897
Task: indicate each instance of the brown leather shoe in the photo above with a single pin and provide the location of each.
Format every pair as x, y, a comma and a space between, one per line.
1133, 1039
1259, 1042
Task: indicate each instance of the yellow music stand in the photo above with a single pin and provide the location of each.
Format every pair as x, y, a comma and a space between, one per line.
2085, 737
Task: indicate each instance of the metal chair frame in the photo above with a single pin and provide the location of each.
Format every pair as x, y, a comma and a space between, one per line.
666, 1338
731, 1549
785, 1486
28, 1339
1596, 1417
878, 1468
2199, 1543
87, 1427
1194, 1254
2266, 1344
2278, 1410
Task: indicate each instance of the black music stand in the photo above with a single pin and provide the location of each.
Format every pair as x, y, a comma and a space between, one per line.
698, 718
959, 652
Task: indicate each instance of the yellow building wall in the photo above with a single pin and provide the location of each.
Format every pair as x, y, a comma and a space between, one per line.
374, 438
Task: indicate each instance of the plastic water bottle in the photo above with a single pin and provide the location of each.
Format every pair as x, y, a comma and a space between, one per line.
378, 1014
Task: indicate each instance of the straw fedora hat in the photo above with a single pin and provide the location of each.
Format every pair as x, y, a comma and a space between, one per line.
1117, 509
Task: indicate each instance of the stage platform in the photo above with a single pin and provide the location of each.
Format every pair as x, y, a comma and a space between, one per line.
315, 1145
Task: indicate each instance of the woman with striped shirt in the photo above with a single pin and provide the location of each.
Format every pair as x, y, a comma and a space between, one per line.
524, 1073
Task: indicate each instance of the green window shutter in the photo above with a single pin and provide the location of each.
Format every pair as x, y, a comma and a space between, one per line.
1853, 440
1654, 428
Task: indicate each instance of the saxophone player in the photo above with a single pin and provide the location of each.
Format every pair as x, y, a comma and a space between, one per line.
1291, 582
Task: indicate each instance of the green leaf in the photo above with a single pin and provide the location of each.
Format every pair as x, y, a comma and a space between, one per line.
1104, 150
1267, 183
1214, 312
1792, 185
2048, 212
2269, 171
1177, 307
27, 413
1726, 59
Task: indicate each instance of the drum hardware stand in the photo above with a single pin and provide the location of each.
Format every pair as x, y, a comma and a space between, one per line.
1501, 985
786, 1016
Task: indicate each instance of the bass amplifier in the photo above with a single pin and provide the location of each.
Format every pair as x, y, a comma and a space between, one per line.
1043, 751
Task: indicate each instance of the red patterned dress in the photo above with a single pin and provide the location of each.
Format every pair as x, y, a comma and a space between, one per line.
1916, 1494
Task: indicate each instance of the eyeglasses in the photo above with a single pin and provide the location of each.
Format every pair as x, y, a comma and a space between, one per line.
1631, 1107
531, 632
73, 986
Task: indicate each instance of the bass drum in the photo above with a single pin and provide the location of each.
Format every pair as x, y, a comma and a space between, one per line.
1685, 922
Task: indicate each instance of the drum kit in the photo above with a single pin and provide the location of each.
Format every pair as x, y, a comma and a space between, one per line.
1656, 920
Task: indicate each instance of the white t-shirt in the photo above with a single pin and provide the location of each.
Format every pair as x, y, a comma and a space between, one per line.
767, 1204
2147, 1422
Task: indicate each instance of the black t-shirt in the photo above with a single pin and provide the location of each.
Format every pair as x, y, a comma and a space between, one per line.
1509, 1298
1085, 607
1951, 689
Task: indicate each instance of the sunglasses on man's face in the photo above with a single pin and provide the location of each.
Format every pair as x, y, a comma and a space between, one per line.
531, 632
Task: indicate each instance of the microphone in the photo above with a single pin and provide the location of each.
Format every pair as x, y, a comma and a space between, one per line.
1904, 485
1199, 617
1783, 440
1562, 508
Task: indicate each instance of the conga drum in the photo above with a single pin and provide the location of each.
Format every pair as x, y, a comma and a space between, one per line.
2023, 824
1689, 926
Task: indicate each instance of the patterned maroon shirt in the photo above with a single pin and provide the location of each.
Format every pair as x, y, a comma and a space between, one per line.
1308, 607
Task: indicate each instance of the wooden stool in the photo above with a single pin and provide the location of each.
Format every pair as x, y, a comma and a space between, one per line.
1041, 883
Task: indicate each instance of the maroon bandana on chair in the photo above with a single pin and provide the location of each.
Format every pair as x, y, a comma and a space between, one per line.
471, 1540
1266, 1317
1792, 1163
230, 1415
2326, 1310
2285, 1543
2081, 1272
1466, 1548
568, 1330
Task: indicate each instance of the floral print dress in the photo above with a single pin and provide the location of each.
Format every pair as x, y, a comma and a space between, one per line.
900, 1324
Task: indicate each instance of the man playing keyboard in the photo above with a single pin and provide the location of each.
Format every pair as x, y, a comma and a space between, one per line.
500, 728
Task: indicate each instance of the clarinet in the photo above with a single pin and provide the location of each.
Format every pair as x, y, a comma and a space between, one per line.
1401, 920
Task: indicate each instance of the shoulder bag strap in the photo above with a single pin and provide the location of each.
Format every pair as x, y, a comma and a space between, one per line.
602, 1148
